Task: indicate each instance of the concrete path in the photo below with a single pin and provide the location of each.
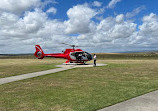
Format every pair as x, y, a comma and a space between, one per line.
147, 102
35, 74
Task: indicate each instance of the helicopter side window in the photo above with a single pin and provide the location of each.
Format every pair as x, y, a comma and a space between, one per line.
76, 54
84, 54
79, 55
73, 54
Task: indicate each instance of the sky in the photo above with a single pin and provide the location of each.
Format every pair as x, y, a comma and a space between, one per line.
94, 25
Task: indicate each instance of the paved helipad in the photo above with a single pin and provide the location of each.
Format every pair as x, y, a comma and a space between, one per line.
79, 65
35, 74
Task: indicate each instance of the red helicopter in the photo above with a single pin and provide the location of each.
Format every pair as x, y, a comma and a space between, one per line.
72, 55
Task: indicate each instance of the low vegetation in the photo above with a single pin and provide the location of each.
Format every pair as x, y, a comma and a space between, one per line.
82, 89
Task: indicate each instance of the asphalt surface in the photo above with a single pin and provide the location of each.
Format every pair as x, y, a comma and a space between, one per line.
147, 102
35, 74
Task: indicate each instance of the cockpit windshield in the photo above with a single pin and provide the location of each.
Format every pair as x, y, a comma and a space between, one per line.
89, 56
79, 55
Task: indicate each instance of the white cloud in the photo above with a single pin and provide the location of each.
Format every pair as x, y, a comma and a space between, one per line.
119, 18
123, 30
110, 33
147, 35
7, 19
18, 6
52, 10
109, 30
114, 28
32, 21
97, 4
48, 2
135, 12
79, 19
112, 3
33, 28
150, 18
14, 26
149, 28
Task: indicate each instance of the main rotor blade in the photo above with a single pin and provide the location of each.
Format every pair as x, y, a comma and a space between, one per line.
76, 45
69, 44
65, 43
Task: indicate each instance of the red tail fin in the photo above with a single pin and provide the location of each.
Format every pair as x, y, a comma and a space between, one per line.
39, 52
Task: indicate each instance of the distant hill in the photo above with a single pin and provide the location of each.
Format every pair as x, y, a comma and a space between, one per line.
16, 56
153, 51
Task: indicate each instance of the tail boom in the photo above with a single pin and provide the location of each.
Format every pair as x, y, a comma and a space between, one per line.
56, 55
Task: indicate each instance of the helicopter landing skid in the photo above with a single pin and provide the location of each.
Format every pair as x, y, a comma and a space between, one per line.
67, 61
74, 63
77, 62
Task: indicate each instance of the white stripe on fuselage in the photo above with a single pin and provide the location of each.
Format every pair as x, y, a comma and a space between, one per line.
38, 48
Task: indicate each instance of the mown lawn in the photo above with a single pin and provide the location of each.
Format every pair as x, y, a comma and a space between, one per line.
12, 67
82, 89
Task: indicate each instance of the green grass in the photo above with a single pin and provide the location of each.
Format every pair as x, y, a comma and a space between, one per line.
12, 67
82, 89
127, 56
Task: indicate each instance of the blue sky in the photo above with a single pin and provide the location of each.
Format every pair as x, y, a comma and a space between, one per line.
101, 25
122, 7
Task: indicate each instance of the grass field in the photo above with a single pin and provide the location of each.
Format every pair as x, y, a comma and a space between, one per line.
11, 67
128, 56
82, 89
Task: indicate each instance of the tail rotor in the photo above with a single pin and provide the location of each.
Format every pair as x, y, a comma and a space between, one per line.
39, 52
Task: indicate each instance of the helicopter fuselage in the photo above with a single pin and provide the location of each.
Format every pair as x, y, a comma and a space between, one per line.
72, 55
